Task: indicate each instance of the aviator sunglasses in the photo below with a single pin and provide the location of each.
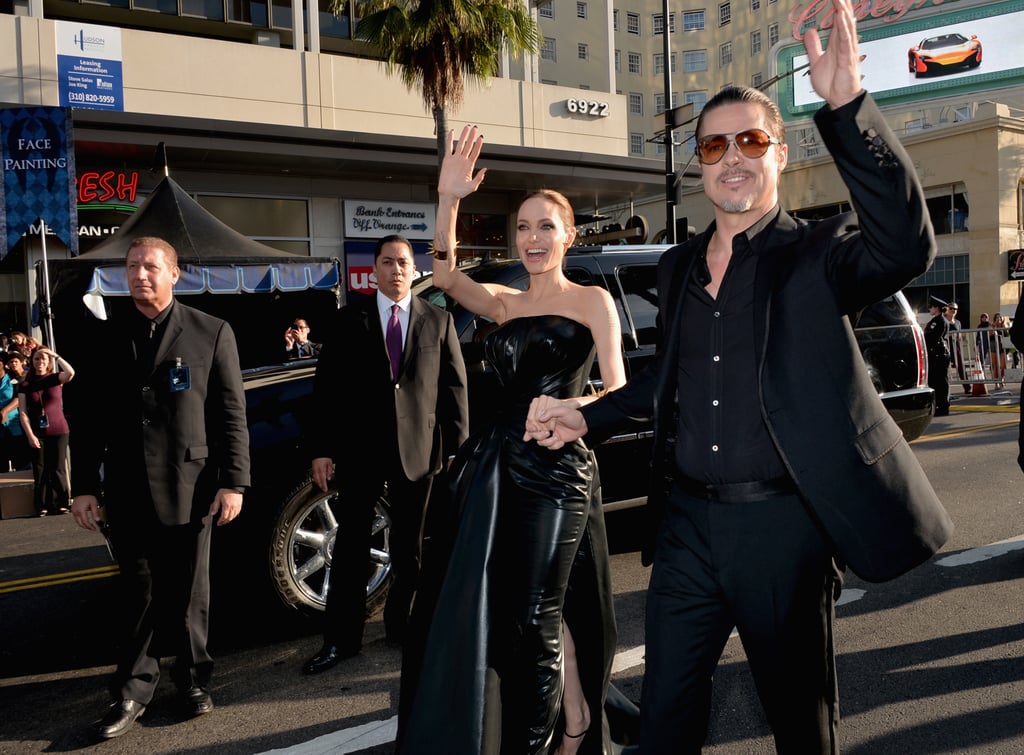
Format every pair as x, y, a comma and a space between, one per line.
751, 143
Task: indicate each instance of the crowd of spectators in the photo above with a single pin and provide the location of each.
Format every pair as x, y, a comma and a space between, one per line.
33, 429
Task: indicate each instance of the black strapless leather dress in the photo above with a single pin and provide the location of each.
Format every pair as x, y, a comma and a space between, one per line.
529, 548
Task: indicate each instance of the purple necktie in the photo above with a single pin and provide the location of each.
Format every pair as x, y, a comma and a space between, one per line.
393, 340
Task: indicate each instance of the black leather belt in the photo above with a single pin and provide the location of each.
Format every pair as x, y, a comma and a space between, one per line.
736, 492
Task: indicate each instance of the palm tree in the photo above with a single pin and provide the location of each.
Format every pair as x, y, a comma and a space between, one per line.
436, 44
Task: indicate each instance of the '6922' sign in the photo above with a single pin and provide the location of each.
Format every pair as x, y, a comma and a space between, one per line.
587, 107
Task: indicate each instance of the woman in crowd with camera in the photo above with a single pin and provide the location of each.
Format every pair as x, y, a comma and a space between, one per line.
41, 406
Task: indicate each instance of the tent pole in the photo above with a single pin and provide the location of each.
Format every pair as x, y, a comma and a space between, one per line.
46, 314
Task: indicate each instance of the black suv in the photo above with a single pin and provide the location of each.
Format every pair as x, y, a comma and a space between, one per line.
890, 339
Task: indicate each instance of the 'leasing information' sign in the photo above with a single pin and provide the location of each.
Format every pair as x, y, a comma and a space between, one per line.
89, 66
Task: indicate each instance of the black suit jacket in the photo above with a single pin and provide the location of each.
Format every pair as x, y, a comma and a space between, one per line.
358, 408
857, 474
184, 444
1017, 338
309, 349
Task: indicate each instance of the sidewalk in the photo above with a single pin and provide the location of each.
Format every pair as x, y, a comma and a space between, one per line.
994, 400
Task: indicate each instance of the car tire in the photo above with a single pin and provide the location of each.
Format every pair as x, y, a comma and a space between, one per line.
302, 540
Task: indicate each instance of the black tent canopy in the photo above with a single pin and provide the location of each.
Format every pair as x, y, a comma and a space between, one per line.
256, 288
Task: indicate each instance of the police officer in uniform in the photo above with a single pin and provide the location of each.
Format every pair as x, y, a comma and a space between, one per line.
936, 340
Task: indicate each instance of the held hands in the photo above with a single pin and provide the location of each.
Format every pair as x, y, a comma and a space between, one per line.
835, 73
553, 422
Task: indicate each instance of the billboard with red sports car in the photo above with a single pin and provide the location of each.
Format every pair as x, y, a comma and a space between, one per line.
967, 50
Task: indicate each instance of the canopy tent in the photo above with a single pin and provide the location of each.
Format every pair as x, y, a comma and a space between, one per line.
270, 287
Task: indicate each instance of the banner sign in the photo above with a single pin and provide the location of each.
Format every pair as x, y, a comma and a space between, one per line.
1015, 260
38, 159
359, 265
89, 66
375, 219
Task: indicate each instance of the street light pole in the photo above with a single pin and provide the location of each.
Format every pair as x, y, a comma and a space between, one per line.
670, 168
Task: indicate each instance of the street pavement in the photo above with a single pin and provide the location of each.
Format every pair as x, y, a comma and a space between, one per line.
52, 671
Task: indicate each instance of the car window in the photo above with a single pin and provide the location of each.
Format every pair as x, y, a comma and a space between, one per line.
639, 287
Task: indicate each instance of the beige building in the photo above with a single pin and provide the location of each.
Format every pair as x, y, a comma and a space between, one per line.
275, 130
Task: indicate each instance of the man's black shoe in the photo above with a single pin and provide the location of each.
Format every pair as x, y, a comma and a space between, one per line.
328, 657
119, 718
196, 700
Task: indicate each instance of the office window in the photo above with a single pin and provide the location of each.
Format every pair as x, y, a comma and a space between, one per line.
170, 7
755, 5
547, 50
658, 23
244, 11
634, 63
724, 13
633, 24
582, 51
756, 79
212, 10
636, 103
699, 100
755, 43
546, 9
695, 60
581, 10
636, 144
659, 63
615, 19
948, 208
962, 114
618, 61
693, 20
773, 35
280, 223
336, 25
725, 54
659, 103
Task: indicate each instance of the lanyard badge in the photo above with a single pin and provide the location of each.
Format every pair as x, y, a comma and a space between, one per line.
179, 378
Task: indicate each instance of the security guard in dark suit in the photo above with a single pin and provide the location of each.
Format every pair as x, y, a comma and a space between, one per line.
163, 417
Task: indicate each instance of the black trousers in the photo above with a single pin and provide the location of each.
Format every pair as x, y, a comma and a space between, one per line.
345, 614
938, 381
165, 573
52, 489
765, 569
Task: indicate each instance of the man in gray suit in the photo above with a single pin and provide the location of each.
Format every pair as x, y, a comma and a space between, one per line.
164, 417
387, 413
766, 482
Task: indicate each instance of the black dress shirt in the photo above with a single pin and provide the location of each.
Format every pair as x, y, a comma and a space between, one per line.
721, 436
146, 336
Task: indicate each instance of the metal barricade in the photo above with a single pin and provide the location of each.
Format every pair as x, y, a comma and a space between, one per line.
981, 357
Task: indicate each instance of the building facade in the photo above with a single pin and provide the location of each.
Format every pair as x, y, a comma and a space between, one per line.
274, 118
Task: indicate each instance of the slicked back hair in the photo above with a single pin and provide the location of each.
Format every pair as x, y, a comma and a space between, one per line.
734, 95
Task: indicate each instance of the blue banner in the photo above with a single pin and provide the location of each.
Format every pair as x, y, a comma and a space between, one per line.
38, 159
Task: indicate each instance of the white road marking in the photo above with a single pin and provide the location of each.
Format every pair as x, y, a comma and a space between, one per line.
850, 594
347, 740
383, 732
985, 552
